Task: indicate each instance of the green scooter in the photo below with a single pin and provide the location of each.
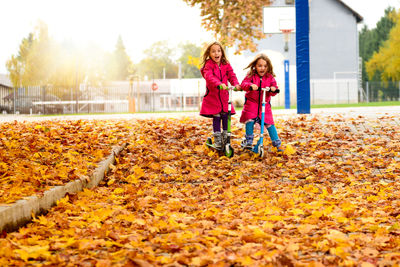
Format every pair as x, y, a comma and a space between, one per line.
226, 149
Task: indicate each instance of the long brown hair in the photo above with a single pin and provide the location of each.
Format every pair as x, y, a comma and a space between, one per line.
252, 65
206, 54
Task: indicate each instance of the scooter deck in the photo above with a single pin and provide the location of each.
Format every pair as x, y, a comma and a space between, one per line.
213, 146
209, 143
228, 152
256, 149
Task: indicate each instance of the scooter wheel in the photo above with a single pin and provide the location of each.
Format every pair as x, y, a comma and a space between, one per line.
261, 152
209, 141
243, 143
255, 149
229, 152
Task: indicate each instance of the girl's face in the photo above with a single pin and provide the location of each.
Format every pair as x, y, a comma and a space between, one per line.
261, 67
216, 53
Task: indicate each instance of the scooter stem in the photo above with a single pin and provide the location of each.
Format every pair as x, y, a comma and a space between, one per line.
229, 109
263, 90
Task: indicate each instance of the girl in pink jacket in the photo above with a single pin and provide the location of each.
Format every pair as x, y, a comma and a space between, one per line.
260, 75
217, 71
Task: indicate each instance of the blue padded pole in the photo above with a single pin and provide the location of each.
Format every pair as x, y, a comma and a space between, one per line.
303, 56
287, 86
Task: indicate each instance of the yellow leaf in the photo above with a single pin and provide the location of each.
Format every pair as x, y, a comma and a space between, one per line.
246, 261
168, 170
140, 222
164, 259
275, 218
138, 171
292, 247
43, 221
289, 150
199, 148
337, 236
211, 153
133, 179
267, 226
340, 251
33, 252
297, 211
259, 233
64, 200
118, 191
306, 228
103, 263
368, 220
155, 166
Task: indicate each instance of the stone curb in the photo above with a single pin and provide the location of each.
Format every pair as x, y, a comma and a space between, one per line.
19, 213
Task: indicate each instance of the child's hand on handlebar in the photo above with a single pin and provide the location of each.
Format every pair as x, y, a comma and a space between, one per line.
238, 88
273, 89
222, 86
254, 87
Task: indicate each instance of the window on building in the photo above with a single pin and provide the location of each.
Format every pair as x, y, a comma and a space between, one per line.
189, 100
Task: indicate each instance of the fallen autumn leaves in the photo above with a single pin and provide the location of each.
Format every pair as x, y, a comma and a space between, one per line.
169, 200
37, 156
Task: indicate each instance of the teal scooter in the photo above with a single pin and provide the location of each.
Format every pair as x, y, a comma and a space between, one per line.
226, 149
259, 148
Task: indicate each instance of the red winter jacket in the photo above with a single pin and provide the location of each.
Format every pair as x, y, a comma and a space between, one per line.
253, 103
215, 100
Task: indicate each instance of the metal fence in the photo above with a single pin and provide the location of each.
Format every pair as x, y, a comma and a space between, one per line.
380, 91
172, 95
50, 100
333, 91
118, 98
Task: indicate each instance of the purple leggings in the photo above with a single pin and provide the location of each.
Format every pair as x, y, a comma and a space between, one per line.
217, 122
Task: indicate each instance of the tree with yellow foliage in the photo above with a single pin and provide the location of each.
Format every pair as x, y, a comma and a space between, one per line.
35, 60
233, 22
387, 59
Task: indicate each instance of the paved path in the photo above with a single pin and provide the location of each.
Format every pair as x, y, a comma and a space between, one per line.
374, 112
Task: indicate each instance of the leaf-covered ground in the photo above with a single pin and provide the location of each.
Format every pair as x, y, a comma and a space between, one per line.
171, 201
35, 156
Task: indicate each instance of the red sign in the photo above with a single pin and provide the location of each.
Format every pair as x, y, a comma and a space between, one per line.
154, 86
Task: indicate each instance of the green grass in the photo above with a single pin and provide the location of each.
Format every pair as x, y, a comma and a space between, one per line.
371, 104
110, 113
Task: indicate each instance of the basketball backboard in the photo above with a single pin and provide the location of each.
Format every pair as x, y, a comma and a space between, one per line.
278, 18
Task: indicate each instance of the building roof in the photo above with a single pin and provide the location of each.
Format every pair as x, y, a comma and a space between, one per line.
5, 81
359, 18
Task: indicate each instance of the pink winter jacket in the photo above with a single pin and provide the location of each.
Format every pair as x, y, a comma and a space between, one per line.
253, 102
215, 100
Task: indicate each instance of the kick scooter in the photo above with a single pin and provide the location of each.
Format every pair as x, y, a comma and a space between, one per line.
258, 148
226, 149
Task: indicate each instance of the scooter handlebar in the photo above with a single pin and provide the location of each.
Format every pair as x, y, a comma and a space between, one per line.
268, 89
229, 88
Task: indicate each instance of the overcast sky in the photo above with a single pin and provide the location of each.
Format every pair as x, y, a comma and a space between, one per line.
140, 23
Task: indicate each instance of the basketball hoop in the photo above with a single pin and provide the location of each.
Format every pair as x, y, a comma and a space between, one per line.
286, 35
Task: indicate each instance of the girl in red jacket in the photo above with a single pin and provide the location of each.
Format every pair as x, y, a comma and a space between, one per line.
260, 75
217, 71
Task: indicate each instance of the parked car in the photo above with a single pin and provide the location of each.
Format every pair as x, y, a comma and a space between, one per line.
29, 104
